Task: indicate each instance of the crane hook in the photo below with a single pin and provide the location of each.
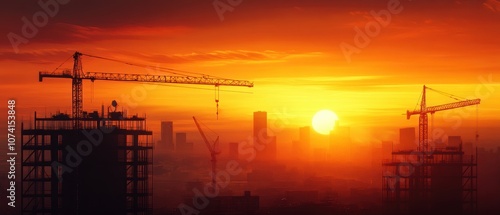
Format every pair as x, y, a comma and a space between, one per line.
217, 92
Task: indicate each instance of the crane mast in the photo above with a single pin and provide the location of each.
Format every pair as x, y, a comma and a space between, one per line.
77, 89
423, 125
213, 153
77, 75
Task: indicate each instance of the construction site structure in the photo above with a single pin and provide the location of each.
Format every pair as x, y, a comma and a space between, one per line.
104, 167
91, 162
430, 179
445, 183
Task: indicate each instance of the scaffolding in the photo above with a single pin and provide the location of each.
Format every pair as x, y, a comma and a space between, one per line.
443, 181
103, 167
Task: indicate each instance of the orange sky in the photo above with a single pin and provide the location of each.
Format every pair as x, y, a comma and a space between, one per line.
289, 49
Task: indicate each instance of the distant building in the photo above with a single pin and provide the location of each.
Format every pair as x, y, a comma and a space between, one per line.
167, 135
260, 126
407, 140
261, 138
180, 139
304, 141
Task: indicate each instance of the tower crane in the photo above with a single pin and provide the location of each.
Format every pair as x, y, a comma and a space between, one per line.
77, 75
213, 152
423, 136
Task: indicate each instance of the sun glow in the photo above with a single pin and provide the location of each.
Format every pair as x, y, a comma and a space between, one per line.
324, 121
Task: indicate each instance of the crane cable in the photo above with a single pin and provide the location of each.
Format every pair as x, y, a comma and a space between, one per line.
455, 97
447, 94
209, 137
61, 64
217, 93
418, 101
163, 69
168, 70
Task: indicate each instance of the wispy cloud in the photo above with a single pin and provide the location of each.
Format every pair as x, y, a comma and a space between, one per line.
224, 57
328, 81
39, 56
493, 5
64, 33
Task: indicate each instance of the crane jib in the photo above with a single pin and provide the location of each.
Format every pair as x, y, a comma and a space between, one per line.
443, 107
150, 78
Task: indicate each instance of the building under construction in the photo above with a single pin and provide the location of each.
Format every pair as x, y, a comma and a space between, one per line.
430, 179
94, 165
444, 181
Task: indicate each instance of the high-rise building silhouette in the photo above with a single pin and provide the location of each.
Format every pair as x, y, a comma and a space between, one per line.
180, 139
264, 144
167, 135
300, 148
260, 126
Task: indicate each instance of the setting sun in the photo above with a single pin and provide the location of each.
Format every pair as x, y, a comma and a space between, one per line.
324, 121
250, 107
